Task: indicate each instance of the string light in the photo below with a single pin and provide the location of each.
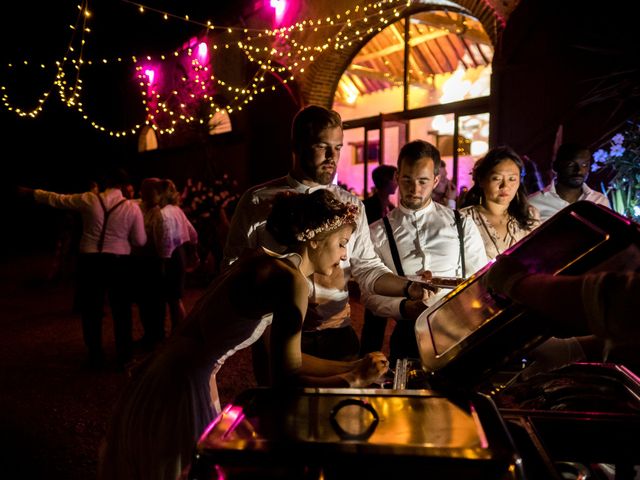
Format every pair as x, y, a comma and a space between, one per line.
284, 59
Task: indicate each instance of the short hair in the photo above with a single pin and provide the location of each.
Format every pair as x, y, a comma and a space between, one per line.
309, 122
297, 217
413, 151
568, 152
382, 175
115, 177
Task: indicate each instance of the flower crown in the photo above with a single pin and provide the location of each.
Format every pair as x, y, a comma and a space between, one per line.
349, 216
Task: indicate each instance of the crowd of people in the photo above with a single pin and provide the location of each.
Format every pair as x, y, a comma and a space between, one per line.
284, 253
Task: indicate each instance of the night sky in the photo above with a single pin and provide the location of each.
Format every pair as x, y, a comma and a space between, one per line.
59, 150
59, 141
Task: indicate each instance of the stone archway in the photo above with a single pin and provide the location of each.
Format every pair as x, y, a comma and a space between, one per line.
320, 82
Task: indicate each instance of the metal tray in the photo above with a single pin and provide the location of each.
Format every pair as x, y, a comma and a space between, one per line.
593, 389
584, 414
354, 433
471, 333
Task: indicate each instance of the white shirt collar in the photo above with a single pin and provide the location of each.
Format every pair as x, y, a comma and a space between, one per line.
301, 187
421, 213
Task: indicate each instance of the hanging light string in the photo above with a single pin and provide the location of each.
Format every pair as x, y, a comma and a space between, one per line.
60, 65
369, 13
269, 59
337, 20
295, 61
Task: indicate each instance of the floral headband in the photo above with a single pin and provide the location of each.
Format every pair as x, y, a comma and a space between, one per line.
349, 216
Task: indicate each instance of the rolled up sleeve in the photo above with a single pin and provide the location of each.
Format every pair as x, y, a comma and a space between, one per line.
366, 265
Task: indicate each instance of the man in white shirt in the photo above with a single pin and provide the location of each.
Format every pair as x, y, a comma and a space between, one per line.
426, 235
327, 332
111, 225
572, 166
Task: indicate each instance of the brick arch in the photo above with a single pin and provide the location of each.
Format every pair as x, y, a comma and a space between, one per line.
319, 84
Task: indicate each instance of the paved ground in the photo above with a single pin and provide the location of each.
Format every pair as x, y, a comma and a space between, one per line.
53, 409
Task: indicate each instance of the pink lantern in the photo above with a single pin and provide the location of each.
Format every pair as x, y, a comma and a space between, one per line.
279, 6
151, 75
203, 52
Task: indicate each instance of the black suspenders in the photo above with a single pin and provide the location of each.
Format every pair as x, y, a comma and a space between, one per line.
461, 239
394, 248
106, 219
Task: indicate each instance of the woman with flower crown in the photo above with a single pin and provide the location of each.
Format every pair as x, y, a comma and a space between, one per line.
170, 400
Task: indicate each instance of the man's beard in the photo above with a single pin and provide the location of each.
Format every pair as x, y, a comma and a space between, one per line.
325, 178
572, 182
414, 203
322, 176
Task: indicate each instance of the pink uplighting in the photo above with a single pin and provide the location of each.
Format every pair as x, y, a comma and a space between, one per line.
151, 74
279, 6
203, 51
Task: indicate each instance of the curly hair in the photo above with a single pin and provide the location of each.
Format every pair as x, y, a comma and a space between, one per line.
519, 206
297, 217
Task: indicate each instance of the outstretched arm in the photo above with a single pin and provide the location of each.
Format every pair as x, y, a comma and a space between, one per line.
605, 303
24, 192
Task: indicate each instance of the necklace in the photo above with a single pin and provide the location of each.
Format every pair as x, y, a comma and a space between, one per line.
489, 234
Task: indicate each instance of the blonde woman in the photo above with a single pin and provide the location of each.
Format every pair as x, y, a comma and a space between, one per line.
172, 234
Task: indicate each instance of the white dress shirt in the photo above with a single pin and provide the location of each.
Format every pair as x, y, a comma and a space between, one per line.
171, 229
427, 239
329, 302
125, 227
548, 202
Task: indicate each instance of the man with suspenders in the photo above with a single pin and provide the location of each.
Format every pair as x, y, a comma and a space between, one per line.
421, 235
111, 225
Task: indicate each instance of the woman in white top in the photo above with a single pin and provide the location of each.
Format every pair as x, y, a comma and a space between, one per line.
170, 400
173, 234
497, 201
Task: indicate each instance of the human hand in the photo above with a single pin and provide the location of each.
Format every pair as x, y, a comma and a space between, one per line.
368, 369
505, 273
421, 291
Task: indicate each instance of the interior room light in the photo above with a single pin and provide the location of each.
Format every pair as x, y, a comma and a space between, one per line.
479, 147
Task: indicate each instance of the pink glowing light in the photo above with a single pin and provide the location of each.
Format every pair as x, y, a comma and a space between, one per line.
151, 75
229, 418
279, 6
203, 52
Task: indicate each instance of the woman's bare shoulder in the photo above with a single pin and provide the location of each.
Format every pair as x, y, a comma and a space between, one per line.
270, 271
